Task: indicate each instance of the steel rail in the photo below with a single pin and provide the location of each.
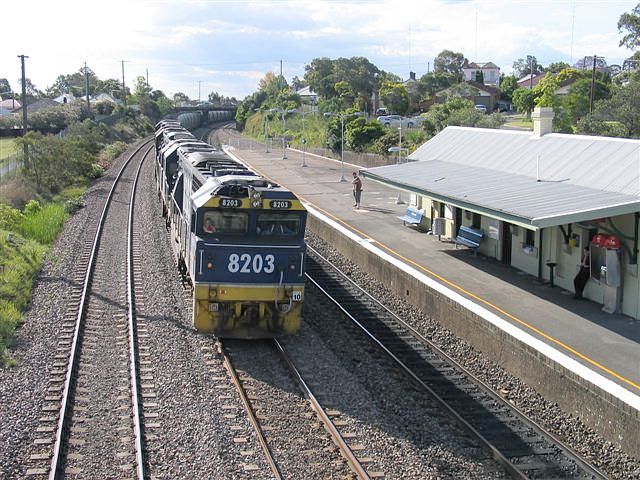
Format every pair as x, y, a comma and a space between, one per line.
247, 406
590, 469
133, 338
73, 357
348, 454
497, 455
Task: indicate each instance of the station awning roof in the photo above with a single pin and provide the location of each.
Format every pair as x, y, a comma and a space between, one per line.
584, 178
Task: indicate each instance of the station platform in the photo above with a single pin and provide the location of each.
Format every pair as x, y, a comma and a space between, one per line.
600, 347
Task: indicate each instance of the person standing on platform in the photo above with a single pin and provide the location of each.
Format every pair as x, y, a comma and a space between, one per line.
583, 275
357, 189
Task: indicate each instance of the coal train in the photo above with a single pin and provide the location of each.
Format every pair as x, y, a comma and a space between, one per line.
236, 236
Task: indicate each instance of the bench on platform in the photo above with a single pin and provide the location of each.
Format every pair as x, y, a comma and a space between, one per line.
469, 237
415, 218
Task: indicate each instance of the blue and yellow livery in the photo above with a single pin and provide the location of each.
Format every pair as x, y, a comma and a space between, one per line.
239, 238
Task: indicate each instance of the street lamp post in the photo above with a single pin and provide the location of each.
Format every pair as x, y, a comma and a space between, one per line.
399, 199
304, 139
399, 149
342, 117
284, 129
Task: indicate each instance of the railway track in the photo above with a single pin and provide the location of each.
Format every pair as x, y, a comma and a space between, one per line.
523, 448
94, 387
281, 418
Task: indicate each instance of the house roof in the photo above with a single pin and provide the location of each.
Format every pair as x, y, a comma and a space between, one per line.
530, 181
9, 104
481, 65
306, 92
490, 90
524, 82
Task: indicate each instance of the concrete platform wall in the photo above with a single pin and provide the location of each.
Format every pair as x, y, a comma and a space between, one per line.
610, 417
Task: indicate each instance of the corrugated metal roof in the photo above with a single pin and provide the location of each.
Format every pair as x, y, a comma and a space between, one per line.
495, 172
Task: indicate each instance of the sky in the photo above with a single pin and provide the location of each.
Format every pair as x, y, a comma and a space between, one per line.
197, 47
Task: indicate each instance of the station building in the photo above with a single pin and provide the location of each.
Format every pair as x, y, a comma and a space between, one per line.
537, 199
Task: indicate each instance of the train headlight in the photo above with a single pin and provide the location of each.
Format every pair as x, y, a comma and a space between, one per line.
256, 203
210, 265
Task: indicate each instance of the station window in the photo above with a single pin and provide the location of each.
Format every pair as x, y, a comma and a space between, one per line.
529, 237
230, 222
476, 220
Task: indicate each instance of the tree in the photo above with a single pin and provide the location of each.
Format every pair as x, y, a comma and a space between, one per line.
361, 75
180, 97
522, 67
5, 88
508, 84
449, 62
631, 23
457, 111
319, 75
141, 87
557, 66
32, 91
545, 91
524, 100
586, 63
52, 162
433, 82
298, 83
108, 86
396, 97
359, 133
74, 83
345, 93
623, 107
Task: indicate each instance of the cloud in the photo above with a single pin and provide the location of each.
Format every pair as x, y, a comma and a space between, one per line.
230, 45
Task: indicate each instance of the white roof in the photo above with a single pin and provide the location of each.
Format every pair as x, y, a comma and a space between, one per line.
306, 92
531, 181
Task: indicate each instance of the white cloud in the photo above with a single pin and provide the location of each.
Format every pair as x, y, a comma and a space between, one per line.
229, 45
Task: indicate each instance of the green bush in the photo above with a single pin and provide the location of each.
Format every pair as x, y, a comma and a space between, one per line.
112, 151
9, 217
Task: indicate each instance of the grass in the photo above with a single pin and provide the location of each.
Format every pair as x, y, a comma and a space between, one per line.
519, 121
43, 226
20, 261
21, 253
7, 148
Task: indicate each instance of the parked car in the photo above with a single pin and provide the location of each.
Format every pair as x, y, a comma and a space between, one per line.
397, 120
382, 111
481, 108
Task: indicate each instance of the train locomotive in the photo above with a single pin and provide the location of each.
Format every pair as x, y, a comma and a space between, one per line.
238, 238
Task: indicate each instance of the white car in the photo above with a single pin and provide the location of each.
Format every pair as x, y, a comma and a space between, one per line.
397, 121
481, 108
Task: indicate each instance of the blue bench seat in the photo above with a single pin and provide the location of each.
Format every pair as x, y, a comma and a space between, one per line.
469, 237
415, 218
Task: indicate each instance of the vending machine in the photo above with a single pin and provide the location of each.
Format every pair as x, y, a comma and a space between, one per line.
606, 268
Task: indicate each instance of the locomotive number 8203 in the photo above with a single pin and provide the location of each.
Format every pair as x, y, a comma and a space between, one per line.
280, 204
246, 263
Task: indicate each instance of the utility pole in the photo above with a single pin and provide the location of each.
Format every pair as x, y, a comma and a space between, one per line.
593, 83
86, 85
24, 103
124, 93
531, 73
147, 72
199, 90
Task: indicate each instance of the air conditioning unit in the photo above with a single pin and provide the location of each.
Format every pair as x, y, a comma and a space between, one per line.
438, 227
